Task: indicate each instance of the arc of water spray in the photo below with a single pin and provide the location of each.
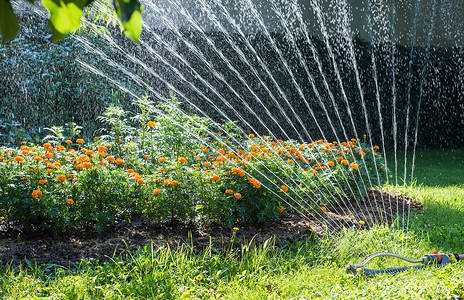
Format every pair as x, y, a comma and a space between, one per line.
191, 20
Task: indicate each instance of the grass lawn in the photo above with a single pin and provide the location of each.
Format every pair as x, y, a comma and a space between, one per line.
303, 270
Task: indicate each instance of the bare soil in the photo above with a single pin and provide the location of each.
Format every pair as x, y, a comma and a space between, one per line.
76, 245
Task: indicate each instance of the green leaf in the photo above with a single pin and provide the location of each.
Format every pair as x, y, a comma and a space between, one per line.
129, 11
9, 24
133, 28
64, 16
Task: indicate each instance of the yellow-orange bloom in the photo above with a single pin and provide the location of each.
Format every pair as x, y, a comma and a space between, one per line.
323, 208
80, 141
330, 163
101, 148
354, 166
61, 178
281, 209
174, 182
206, 164
167, 182
47, 145
79, 167
110, 159
49, 155
37, 158
130, 171
87, 165
70, 201
229, 191
215, 178
119, 161
36, 194
182, 160
19, 159
140, 180
162, 159
151, 124
284, 188
251, 135
345, 162
156, 191
42, 181
206, 150
68, 142
146, 156
238, 195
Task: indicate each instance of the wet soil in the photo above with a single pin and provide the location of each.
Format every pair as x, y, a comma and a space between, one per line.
18, 246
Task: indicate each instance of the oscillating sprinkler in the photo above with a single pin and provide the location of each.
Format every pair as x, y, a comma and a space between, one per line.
435, 259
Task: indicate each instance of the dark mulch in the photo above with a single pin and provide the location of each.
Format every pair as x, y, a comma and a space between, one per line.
81, 244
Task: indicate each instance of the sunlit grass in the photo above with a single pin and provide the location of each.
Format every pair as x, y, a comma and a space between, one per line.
302, 270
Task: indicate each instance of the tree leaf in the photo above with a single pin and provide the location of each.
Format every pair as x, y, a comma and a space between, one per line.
133, 28
129, 11
9, 24
64, 16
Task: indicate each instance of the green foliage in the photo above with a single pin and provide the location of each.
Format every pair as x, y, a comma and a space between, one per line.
164, 164
65, 16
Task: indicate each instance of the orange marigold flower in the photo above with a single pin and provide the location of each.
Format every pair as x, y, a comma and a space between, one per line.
36, 194
206, 150
42, 181
182, 160
49, 155
79, 167
70, 201
215, 178
49, 171
130, 171
110, 159
156, 191
362, 153
61, 178
376, 147
162, 159
345, 162
220, 133
146, 156
37, 158
330, 163
101, 148
174, 182
340, 158
167, 182
68, 142
140, 180
119, 161
229, 191
87, 165
47, 145
354, 166
284, 188
238, 195
251, 135
323, 208
19, 159
222, 151
80, 141
151, 124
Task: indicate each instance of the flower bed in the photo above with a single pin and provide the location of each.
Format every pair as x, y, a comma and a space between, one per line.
164, 164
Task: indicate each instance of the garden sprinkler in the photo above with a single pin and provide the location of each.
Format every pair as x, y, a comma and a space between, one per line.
435, 259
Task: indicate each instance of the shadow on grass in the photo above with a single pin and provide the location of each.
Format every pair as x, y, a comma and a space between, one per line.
441, 225
433, 168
